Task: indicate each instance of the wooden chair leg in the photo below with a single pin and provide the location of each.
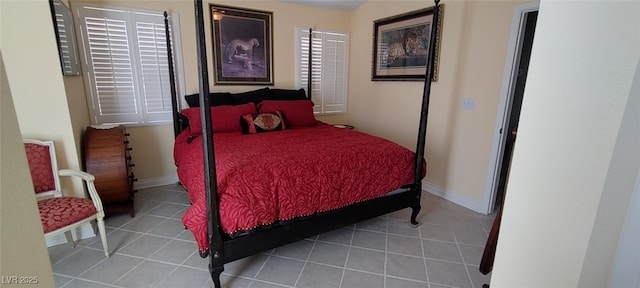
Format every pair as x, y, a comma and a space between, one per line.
69, 239
103, 236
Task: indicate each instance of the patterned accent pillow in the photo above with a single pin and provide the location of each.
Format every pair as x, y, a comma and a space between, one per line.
262, 122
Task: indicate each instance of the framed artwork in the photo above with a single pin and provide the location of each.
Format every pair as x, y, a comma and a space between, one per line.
401, 46
242, 46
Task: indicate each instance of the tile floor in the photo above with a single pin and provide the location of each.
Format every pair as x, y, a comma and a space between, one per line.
154, 250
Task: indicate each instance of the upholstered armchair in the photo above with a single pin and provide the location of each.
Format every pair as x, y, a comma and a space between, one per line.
59, 213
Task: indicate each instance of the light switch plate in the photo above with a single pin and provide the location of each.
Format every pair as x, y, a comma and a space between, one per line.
468, 104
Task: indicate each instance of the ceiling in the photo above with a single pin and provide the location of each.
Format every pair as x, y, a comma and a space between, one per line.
332, 4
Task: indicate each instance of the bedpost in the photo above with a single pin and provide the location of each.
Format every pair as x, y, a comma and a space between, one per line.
211, 186
422, 130
174, 99
309, 65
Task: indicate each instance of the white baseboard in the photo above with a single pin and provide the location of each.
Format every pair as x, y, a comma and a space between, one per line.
155, 182
82, 232
464, 201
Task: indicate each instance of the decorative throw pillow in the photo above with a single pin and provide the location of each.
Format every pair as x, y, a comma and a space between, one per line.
224, 118
298, 113
262, 122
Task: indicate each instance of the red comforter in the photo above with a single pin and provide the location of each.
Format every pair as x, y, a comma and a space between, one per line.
266, 177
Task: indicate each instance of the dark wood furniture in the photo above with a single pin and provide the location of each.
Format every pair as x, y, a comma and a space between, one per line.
223, 249
106, 156
486, 264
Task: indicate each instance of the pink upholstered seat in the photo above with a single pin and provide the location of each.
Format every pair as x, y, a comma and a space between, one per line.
56, 213
60, 214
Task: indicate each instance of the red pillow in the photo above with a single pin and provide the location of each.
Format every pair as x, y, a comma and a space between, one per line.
225, 118
298, 113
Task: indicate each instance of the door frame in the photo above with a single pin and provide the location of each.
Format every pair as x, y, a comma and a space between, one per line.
516, 37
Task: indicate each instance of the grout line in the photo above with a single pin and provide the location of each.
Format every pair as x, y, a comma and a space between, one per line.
270, 283
464, 263
91, 267
305, 262
344, 269
60, 275
90, 281
65, 257
168, 274
154, 235
261, 266
127, 273
424, 256
386, 255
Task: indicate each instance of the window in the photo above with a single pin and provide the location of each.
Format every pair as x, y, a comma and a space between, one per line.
63, 25
126, 64
330, 67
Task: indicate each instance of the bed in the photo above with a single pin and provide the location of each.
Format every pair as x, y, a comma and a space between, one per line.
256, 186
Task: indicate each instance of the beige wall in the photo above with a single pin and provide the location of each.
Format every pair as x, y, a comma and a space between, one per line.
472, 58
575, 161
35, 77
22, 248
78, 112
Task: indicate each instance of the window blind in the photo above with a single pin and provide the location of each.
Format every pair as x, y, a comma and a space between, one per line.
329, 72
66, 40
127, 65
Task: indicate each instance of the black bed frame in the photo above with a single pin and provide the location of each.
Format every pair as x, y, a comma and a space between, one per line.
223, 249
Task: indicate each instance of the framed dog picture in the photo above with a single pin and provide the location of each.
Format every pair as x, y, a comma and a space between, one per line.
242, 46
401, 46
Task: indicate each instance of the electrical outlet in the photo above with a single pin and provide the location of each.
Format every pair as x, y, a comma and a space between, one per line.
468, 104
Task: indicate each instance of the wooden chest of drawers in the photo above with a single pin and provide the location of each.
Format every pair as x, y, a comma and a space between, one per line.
106, 156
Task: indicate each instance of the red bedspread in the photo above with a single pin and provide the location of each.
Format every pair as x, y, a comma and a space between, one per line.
266, 177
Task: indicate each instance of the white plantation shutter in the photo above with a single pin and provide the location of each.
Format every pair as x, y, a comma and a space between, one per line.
334, 73
66, 41
110, 66
330, 51
154, 64
127, 65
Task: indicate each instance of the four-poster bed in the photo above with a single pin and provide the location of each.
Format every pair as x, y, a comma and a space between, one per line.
212, 179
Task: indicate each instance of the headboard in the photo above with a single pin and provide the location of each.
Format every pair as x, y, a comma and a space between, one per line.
227, 98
